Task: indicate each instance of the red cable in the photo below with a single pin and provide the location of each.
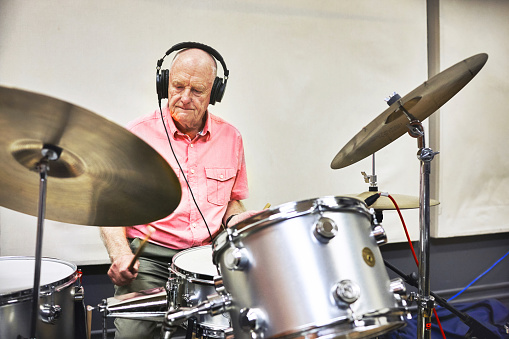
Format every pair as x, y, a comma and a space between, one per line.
405, 229
415, 256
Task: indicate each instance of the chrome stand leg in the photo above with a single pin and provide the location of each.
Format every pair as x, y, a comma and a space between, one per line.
105, 325
49, 153
426, 302
42, 168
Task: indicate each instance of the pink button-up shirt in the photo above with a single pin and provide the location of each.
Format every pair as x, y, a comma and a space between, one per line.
215, 168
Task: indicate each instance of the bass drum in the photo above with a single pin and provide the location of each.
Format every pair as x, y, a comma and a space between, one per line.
308, 269
191, 281
56, 289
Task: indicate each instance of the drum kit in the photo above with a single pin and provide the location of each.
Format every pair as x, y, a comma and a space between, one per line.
310, 268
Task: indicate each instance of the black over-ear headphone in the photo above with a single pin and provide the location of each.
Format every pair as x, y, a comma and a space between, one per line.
163, 78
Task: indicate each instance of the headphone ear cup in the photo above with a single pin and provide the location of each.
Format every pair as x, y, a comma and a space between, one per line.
162, 82
220, 91
217, 92
213, 92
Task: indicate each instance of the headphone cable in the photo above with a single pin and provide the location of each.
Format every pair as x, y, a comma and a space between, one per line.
182, 171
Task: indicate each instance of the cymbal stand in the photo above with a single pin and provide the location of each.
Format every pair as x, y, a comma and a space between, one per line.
425, 301
49, 153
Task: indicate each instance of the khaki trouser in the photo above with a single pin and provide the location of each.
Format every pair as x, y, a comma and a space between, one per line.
153, 272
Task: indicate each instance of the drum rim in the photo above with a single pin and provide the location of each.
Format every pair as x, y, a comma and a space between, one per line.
394, 318
286, 211
47, 289
194, 277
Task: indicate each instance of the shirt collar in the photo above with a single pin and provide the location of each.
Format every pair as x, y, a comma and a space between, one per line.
174, 130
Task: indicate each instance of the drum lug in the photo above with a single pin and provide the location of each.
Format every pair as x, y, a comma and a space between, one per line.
219, 285
325, 229
397, 286
189, 298
172, 286
79, 293
49, 313
379, 234
229, 333
253, 320
236, 258
347, 291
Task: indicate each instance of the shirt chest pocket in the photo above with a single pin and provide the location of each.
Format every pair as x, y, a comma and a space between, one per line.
219, 184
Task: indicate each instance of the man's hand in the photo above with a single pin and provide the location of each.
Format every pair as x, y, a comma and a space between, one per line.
241, 216
119, 272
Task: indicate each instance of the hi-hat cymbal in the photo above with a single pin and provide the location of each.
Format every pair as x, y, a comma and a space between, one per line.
385, 203
420, 103
105, 176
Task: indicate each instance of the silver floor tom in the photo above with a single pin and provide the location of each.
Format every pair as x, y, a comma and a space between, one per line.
307, 269
190, 282
57, 292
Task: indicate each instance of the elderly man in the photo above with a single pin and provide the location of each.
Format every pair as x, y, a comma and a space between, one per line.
207, 155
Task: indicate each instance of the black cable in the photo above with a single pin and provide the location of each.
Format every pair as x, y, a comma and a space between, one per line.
182, 171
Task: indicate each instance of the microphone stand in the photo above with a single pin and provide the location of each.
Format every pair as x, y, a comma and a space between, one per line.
477, 329
373, 187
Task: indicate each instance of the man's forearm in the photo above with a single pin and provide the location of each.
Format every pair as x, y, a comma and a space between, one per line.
115, 241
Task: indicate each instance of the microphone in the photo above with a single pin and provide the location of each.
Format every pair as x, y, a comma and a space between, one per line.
371, 199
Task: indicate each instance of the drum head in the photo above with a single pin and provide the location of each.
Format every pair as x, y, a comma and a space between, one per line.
17, 273
196, 261
295, 209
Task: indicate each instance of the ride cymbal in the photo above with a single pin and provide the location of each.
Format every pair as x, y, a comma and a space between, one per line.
420, 103
105, 176
385, 203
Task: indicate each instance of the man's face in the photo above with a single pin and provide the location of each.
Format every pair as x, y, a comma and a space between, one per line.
191, 80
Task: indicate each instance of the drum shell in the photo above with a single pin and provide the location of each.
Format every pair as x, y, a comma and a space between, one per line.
16, 306
292, 274
188, 288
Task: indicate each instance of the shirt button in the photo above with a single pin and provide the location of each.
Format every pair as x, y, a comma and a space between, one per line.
192, 171
221, 176
192, 145
194, 225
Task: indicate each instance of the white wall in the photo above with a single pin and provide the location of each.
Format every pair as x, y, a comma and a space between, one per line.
305, 77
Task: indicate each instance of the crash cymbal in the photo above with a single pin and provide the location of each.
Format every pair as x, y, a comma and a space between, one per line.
420, 103
384, 203
105, 176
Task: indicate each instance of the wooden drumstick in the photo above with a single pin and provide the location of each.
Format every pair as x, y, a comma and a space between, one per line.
150, 230
89, 321
266, 206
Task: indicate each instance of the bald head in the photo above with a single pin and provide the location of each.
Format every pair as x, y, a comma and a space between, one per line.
194, 58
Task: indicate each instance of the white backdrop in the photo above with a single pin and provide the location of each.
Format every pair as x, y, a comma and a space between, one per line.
305, 77
474, 167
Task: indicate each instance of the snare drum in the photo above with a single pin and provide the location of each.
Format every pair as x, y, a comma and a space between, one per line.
310, 268
190, 282
56, 289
